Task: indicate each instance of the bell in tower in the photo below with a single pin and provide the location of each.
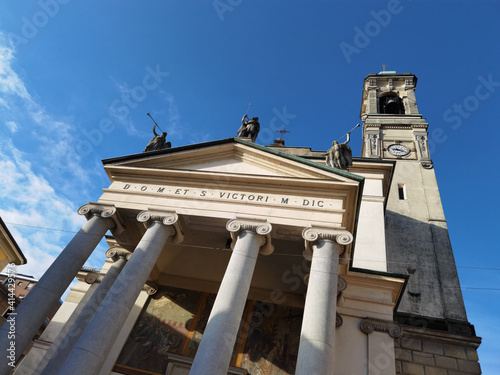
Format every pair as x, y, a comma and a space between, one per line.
391, 104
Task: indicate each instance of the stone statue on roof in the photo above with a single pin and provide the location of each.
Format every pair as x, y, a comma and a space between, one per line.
340, 155
158, 141
249, 128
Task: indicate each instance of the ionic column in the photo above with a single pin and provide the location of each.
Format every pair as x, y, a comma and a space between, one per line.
30, 314
214, 353
317, 337
69, 335
92, 348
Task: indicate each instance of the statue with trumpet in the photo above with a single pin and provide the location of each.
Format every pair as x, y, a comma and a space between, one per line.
158, 142
340, 155
249, 127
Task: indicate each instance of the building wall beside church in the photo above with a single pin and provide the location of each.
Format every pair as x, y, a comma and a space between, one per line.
418, 244
429, 352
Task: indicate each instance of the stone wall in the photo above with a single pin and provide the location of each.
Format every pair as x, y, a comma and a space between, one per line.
429, 352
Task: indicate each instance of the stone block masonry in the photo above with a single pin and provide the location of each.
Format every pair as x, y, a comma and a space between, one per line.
431, 352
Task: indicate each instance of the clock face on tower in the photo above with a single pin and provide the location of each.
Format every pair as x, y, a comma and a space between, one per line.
398, 150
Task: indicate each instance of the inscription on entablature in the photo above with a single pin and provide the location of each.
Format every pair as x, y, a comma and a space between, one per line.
229, 195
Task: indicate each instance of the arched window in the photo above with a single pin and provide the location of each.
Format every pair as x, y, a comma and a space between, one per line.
391, 103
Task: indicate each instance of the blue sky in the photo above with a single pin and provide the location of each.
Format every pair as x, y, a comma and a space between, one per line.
77, 79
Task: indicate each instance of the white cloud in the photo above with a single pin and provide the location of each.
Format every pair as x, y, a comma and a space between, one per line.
4, 104
54, 140
28, 200
10, 83
37, 181
12, 126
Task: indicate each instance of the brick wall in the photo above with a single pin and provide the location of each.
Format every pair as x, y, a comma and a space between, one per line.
428, 352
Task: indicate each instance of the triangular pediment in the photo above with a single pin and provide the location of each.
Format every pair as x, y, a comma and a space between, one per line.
221, 179
232, 156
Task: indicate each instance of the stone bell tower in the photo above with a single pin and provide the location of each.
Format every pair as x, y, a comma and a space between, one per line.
431, 309
393, 127
417, 238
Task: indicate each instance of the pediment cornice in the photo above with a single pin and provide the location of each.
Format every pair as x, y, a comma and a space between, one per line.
232, 156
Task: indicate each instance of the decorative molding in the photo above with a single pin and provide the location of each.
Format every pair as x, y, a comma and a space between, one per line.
150, 288
341, 284
338, 320
369, 325
466, 338
373, 198
313, 234
168, 218
373, 144
96, 209
421, 140
261, 227
427, 164
392, 125
107, 212
116, 252
92, 277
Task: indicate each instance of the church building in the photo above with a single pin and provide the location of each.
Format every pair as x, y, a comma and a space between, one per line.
228, 257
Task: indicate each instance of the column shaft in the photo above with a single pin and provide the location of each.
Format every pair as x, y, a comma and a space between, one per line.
74, 327
30, 314
216, 347
316, 350
91, 350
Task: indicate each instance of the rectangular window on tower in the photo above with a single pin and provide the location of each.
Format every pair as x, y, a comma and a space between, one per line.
402, 191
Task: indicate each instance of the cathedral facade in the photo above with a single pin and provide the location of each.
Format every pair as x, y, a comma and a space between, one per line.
229, 257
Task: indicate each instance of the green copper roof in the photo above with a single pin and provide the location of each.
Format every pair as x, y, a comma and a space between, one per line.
299, 159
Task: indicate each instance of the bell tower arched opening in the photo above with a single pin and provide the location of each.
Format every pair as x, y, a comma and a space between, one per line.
391, 103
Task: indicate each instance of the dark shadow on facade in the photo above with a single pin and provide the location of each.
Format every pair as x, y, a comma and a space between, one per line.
433, 292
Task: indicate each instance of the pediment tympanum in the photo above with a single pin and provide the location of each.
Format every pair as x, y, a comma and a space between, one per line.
220, 180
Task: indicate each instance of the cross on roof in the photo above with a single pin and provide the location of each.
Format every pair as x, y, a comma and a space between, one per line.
282, 131
384, 66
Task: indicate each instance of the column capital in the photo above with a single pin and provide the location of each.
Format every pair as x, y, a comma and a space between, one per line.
92, 277
313, 234
105, 211
368, 325
167, 218
117, 252
259, 226
150, 287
